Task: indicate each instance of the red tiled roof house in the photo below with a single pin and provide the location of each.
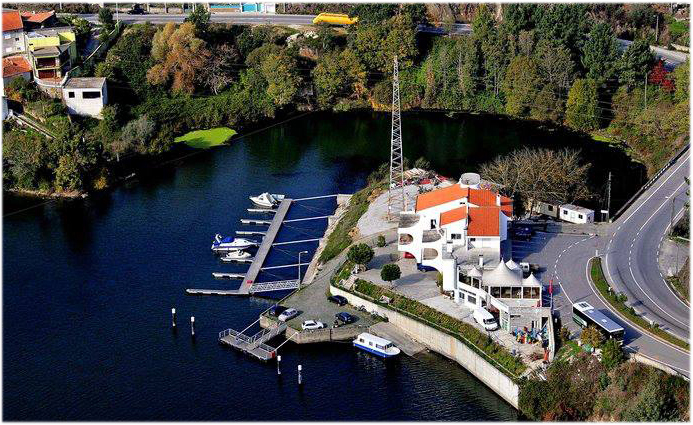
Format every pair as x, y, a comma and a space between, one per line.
12, 33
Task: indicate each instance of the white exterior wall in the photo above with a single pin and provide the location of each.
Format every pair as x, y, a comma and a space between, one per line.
77, 105
572, 216
25, 75
13, 42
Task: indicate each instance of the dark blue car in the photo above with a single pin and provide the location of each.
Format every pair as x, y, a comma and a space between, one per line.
345, 317
420, 267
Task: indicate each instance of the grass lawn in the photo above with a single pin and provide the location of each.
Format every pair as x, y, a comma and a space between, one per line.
204, 139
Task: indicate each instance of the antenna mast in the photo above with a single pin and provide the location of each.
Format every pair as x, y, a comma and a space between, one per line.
395, 194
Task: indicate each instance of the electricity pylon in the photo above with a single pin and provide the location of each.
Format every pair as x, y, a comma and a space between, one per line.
395, 194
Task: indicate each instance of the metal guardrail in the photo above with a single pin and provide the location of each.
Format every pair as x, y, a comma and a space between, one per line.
277, 285
649, 183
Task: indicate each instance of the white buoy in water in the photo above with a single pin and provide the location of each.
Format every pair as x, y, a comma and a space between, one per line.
192, 325
173, 317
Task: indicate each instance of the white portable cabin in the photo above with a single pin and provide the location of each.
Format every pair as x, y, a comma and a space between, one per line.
574, 214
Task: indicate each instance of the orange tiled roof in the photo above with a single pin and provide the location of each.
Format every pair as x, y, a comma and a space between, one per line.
440, 196
482, 197
453, 215
507, 206
11, 21
484, 221
37, 17
14, 65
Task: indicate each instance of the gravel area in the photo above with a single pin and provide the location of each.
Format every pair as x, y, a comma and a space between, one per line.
374, 220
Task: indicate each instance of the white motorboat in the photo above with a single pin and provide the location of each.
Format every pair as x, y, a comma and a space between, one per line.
376, 345
235, 255
230, 243
267, 200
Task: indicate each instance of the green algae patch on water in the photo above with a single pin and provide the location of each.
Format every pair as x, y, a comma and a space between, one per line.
205, 139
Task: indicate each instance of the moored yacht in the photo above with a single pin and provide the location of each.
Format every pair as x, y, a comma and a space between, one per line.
376, 345
230, 243
267, 200
235, 255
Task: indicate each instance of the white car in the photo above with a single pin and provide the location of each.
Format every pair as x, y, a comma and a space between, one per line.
288, 314
311, 325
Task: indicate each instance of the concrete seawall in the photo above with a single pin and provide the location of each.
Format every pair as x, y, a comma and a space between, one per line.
446, 345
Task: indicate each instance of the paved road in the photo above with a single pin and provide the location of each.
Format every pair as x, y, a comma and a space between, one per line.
671, 59
231, 18
633, 250
565, 260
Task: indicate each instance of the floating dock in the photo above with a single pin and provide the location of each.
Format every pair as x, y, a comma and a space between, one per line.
258, 222
250, 233
253, 345
227, 275
261, 210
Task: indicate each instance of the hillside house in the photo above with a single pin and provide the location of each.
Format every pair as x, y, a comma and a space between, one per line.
12, 33
85, 96
52, 52
13, 67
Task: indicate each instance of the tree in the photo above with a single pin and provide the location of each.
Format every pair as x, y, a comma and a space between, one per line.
279, 70
179, 56
582, 112
520, 85
106, 19
590, 335
634, 64
138, 133
377, 44
381, 241
540, 175
360, 254
373, 13
82, 30
520, 17
219, 72
555, 66
681, 79
390, 272
565, 23
68, 174
200, 18
337, 74
612, 354
422, 163
600, 53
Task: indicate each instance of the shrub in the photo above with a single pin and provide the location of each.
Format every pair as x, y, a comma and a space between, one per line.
612, 354
390, 272
381, 241
590, 335
360, 254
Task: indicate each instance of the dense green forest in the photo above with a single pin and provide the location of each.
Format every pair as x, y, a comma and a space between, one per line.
558, 64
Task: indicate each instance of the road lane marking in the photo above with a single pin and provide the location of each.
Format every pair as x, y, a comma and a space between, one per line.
684, 162
631, 324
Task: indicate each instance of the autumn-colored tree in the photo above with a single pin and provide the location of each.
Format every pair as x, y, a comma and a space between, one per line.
661, 77
338, 74
590, 335
179, 56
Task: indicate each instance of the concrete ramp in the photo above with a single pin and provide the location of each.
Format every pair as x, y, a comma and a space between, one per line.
389, 331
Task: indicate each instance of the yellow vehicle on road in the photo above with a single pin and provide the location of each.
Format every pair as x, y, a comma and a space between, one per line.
335, 19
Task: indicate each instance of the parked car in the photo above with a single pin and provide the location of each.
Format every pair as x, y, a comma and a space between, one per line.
311, 325
345, 317
337, 299
276, 310
288, 314
420, 267
523, 232
485, 319
136, 10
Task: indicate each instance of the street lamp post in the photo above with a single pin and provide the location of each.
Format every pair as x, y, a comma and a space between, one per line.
299, 266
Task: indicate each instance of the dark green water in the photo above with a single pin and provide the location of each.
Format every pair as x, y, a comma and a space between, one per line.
88, 285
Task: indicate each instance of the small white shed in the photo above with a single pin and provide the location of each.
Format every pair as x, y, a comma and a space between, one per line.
575, 214
85, 96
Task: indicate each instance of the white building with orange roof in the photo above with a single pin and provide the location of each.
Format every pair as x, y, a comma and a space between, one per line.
461, 231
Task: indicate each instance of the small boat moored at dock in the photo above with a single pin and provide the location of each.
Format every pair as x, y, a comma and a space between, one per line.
235, 255
230, 243
267, 200
376, 345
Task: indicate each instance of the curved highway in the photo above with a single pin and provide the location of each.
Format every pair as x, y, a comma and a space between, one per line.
632, 253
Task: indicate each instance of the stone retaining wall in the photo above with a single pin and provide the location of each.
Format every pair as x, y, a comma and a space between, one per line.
446, 345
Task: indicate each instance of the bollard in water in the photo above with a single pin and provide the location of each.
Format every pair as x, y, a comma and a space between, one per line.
279, 359
173, 317
299, 375
192, 325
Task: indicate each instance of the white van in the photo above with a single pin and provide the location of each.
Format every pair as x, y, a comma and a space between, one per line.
485, 319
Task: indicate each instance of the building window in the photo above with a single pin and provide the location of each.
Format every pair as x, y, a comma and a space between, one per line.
472, 239
506, 292
536, 293
71, 94
471, 299
495, 292
550, 207
517, 292
565, 212
16, 39
526, 292
8, 36
580, 216
434, 223
91, 95
455, 236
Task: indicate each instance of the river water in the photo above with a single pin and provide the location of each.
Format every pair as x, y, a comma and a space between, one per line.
88, 285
